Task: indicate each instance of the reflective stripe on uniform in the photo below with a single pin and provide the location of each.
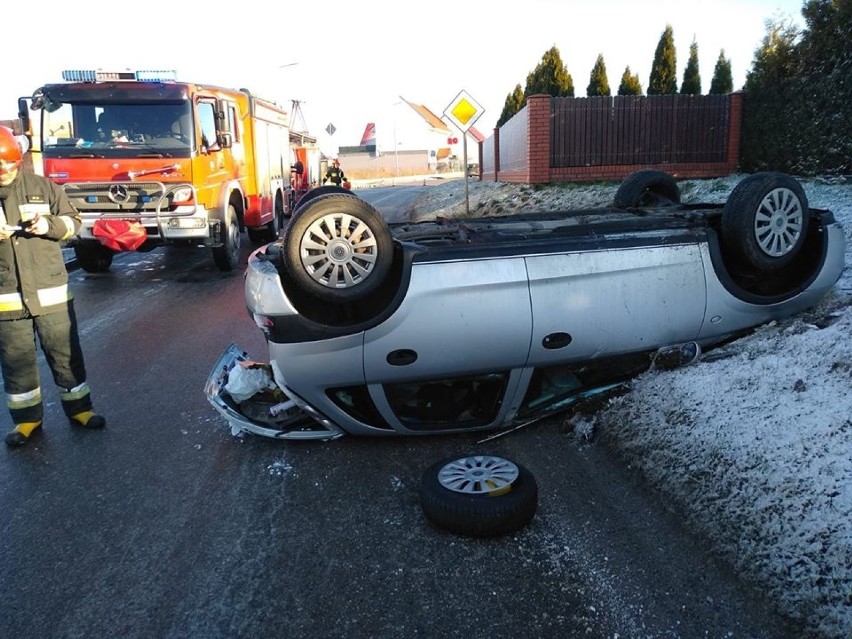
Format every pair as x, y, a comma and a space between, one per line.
33, 209
11, 302
53, 296
69, 225
24, 400
75, 393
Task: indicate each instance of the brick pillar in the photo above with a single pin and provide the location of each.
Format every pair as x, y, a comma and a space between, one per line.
735, 121
496, 139
538, 141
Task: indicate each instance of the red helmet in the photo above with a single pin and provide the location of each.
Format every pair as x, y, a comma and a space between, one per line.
10, 151
336, 162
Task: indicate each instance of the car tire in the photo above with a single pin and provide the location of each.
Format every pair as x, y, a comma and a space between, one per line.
647, 188
338, 248
479, 495
93, 257
326, 189
765, 221
227, 256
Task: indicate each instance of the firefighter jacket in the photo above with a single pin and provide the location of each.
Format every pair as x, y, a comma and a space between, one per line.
335, 174
33, 278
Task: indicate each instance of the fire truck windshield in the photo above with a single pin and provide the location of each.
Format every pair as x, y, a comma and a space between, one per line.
118, 130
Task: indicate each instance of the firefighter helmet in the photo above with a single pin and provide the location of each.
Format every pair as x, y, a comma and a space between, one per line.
10, 151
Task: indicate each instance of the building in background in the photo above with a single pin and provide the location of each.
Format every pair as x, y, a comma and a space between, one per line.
409, 140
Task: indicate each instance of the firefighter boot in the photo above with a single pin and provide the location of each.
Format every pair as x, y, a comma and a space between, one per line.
22, 433
88, 419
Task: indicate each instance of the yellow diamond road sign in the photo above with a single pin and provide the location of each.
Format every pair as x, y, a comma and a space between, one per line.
463, 111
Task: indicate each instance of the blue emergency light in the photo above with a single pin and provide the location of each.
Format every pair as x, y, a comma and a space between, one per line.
92, 75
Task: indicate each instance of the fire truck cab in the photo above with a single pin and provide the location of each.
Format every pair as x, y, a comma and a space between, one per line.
191, 164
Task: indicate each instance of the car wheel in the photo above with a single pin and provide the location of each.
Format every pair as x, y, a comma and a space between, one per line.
765, 220
338, 248
93, 257
326, 189
227, 256
479, 495
647, 188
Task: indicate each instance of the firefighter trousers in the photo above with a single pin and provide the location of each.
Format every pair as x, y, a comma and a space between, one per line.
60, 343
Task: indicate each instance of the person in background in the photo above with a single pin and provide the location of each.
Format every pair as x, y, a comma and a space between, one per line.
35, 215
334, 173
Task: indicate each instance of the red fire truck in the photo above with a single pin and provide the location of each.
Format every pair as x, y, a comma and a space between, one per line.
177, 163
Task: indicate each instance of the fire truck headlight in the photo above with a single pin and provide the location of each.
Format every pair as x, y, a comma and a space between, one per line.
182, 195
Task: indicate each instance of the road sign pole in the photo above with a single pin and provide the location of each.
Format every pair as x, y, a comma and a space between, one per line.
463, 111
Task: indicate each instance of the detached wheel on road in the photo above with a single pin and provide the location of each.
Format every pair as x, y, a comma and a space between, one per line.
479, 495
338, 248
765, 220
93, 257
647, 188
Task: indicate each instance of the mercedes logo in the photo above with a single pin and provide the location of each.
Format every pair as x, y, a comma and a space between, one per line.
119, 194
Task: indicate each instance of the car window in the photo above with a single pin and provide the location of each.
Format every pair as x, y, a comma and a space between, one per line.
449, 403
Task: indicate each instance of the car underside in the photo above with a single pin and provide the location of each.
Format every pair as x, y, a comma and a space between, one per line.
484, 323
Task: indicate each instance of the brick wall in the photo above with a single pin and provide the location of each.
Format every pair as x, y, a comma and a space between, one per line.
539, 166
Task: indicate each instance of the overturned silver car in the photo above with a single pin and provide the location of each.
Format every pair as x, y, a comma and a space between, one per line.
486, 323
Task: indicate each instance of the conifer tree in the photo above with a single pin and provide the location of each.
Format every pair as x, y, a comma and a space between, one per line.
550, 77
691, 84
768, 128
663, 80
821, 106
598, 82
514, 103
630, 84
722, 81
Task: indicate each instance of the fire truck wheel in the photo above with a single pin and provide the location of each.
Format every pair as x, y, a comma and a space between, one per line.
269, 232
93, 257
280, 214
227, 256
338, 248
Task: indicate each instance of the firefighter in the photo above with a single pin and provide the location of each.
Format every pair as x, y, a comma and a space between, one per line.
334, 173
35, 215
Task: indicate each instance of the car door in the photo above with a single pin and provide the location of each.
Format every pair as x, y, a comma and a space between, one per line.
614, 301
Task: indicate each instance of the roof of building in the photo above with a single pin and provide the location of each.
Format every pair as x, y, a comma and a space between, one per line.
431, 119
475, 133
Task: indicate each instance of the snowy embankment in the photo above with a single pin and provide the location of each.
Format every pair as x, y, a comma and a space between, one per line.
752, 444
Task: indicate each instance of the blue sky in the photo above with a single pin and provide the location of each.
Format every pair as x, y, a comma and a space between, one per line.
354, 59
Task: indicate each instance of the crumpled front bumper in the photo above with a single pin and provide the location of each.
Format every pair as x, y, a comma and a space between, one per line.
290, 419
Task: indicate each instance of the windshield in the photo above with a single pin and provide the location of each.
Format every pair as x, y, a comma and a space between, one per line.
118, 130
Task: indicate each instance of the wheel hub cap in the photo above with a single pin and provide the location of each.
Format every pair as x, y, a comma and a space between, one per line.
480, 475
338, 251
778, 223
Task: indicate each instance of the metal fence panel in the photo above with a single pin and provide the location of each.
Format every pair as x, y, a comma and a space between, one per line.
604, 131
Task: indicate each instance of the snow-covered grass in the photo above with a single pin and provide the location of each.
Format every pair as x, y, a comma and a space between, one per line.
752, 444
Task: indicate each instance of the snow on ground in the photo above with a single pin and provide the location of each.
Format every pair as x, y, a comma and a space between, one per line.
752, 444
